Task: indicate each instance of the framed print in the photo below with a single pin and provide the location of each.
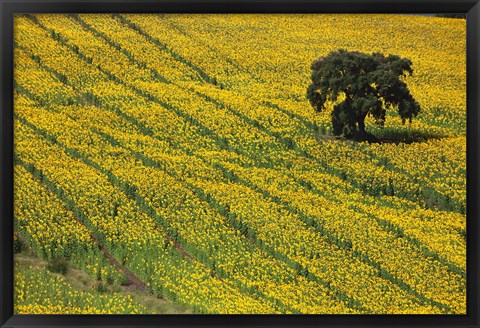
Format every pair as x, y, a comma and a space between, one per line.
245, 163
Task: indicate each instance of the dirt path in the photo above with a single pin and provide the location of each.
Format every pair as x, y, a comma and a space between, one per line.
134, 282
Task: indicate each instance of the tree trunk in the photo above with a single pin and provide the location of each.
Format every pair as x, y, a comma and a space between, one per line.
361, 127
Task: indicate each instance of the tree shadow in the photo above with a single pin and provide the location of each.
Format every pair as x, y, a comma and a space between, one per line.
388, 136
406, 136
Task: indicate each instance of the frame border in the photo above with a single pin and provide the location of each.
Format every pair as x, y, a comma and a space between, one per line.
10, 7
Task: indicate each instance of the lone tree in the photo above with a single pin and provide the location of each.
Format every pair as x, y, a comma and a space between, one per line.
369, 84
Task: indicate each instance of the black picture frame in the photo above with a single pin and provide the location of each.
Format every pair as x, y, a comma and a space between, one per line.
10, 7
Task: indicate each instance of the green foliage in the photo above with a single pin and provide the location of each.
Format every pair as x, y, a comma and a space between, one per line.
369, 85
58, 265
100, 288
122, 281
18, 246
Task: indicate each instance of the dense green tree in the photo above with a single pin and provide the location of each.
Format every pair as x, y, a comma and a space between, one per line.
365, 84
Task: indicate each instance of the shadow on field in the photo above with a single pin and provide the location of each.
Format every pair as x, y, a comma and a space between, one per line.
407, 136
388, 135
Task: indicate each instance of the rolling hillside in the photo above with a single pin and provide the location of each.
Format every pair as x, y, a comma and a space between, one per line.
180, 150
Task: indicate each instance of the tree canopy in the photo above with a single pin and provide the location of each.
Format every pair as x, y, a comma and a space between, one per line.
368, 85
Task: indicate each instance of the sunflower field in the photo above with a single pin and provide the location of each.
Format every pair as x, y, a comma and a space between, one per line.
182, 149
